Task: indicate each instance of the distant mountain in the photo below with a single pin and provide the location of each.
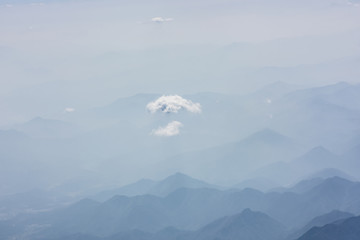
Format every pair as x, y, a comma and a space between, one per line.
330, 172
247, 225
320, 221
321, 114
348, 229
126, 108
158, 188
346, 97
190, 209
177, 181
323, 91
340, 193
351, 161
138, 188
237, 159
48, 128
274, 91
316, 159
314, 179
262, 184
305, 185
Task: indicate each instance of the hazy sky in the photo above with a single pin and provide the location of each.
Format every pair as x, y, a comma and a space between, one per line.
78, 54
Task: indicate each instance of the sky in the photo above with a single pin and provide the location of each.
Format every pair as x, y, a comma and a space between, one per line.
79, 54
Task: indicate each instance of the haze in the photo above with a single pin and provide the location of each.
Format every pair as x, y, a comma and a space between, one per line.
179, 119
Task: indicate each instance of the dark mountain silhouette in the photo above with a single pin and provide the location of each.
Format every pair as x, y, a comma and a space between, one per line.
247, 225
320, 221
348, 229
189, 209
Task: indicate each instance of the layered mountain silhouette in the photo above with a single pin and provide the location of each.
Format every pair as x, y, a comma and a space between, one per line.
157, 188
320, 221
249, 225
348, 229
190, 209
309, 165
237, 159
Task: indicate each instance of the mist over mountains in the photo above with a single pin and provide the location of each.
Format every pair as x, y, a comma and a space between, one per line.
302, 184
179, 120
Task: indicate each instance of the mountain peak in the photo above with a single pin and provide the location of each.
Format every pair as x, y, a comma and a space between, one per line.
319, 156
333, 185
267, 135
246, 224
176, 181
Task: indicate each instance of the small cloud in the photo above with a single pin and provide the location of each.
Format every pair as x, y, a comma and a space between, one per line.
172, 104
161, 19
69, 110
8, 5
268, 101
37, 4
172, 129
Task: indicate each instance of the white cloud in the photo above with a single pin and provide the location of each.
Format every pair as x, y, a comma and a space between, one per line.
161, 19
172, 129
172, 104
69, 110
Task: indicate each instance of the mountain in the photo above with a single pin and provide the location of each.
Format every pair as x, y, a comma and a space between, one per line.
316, 159
305, 185
261, 184
336, 193
247, 225
48, 128
128, 107
157, 188
314, 179
330, 172
309, 93
348, 229
138, 188
320, 221
351, 161
236, 159
274, 91
346, 97
177, 181
318, 115
250, 225
190, 209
